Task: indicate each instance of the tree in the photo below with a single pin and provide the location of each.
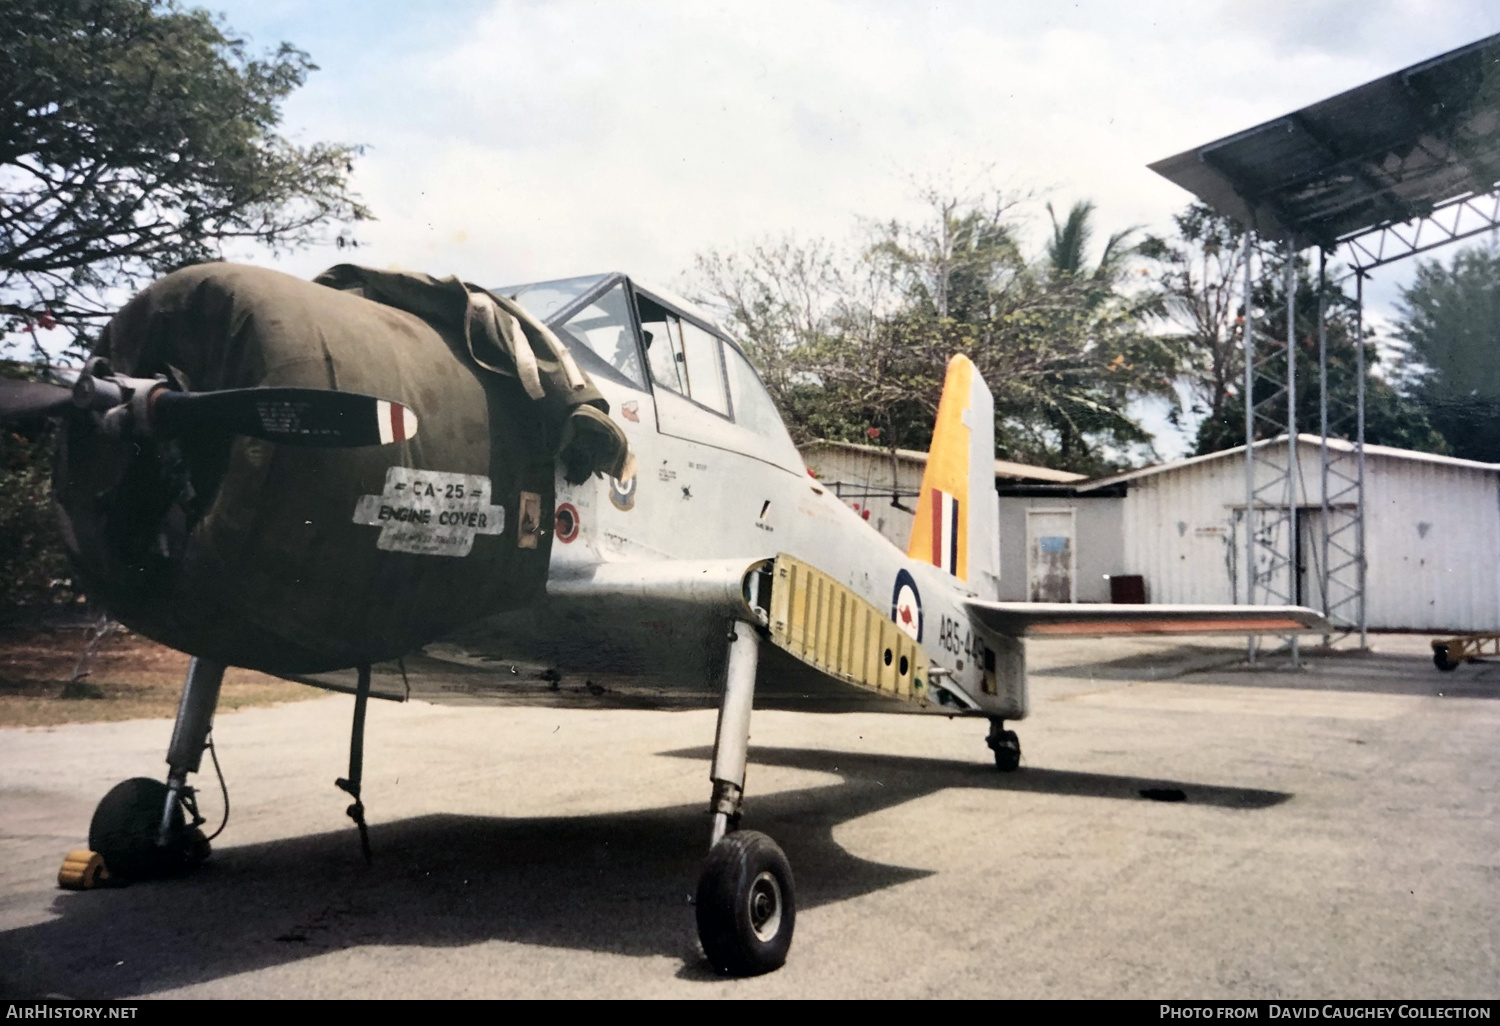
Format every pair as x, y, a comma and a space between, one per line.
1061, 344
1105, 323
780, 299
951, 263
1067, 251
1200, 272
1392, 417
135, 137
138, 137
34, 572
1450, 319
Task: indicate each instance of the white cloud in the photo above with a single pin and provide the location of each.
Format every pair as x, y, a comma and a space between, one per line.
543, 139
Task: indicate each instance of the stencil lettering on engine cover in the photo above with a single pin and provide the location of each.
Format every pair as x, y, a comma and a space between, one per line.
430, 513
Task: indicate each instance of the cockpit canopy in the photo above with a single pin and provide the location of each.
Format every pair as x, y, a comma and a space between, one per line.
650, 341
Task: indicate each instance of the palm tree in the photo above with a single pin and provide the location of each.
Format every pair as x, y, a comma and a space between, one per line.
1067, 252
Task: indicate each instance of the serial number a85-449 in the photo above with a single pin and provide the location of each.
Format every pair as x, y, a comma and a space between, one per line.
959, 638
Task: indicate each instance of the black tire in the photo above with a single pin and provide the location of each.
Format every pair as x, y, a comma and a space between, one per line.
1007, 748
124, 831
1440, 658
747, 905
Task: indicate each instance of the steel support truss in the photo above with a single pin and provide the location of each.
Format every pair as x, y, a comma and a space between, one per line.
1341, 521
1448, 222
1341, 542
1279, 546
1271, 521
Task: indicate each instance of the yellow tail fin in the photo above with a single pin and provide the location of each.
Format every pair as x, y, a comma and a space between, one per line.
958, 513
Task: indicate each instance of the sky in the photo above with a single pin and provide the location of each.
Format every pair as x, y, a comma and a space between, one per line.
517, 141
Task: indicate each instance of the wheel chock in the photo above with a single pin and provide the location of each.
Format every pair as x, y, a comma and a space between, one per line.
82, 870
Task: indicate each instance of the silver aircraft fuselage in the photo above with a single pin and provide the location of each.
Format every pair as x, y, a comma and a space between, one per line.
714, 493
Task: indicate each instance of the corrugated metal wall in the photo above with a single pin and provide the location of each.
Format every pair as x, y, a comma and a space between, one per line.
1432, 538
1432, 543
850, 470
1179, 529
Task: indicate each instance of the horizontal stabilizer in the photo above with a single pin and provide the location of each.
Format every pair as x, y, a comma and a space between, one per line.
1095, 620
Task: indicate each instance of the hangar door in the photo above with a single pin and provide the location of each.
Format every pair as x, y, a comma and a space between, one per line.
1050, 562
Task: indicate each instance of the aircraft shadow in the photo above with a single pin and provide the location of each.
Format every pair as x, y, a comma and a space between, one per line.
914, 776
616, 882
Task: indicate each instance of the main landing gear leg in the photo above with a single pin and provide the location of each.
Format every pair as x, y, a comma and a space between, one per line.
1005, 745
140, 827
746, 904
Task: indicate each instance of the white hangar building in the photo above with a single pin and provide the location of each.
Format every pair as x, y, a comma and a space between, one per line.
1432, 543
1174, 532
868, 478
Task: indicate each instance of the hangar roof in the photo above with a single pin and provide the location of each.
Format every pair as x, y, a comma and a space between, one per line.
1305, 439
1381, 153
1003, 468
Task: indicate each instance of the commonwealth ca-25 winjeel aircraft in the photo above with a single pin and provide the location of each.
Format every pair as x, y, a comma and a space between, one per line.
414, 474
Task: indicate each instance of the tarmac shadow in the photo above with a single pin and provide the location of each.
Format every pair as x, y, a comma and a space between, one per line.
617, 882
614, 883
903, 778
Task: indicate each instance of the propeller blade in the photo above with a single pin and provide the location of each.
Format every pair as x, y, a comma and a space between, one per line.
310, 417
32, 400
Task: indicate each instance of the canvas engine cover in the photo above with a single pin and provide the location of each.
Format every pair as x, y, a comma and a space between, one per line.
298, 560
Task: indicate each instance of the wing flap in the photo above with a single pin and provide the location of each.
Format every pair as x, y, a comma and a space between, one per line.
827, 626
1102, 619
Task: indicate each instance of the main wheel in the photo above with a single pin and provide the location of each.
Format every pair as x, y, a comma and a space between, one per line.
1007, 748
1440, 658
125, 827
747, 905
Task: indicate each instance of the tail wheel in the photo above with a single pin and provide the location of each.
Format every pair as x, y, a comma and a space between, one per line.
1007, 748
1440, 658
747, 905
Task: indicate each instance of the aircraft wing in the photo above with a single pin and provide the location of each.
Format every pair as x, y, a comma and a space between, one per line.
1101, 619
653, 635
658, 588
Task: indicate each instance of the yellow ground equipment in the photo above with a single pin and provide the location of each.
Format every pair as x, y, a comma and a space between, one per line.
1448, 653
82, 870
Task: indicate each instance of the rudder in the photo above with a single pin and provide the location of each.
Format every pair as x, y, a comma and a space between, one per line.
957, 527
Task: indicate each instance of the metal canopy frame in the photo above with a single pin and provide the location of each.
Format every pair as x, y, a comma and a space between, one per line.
1384, 153
1393, 168
1452, 221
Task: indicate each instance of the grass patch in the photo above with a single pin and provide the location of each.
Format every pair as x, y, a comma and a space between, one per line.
131, 678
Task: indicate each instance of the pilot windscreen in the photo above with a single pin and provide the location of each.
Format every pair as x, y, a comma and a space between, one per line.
604, 327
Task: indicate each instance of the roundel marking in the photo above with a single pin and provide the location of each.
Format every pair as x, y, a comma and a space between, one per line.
622, 496
565, 522
906, 606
